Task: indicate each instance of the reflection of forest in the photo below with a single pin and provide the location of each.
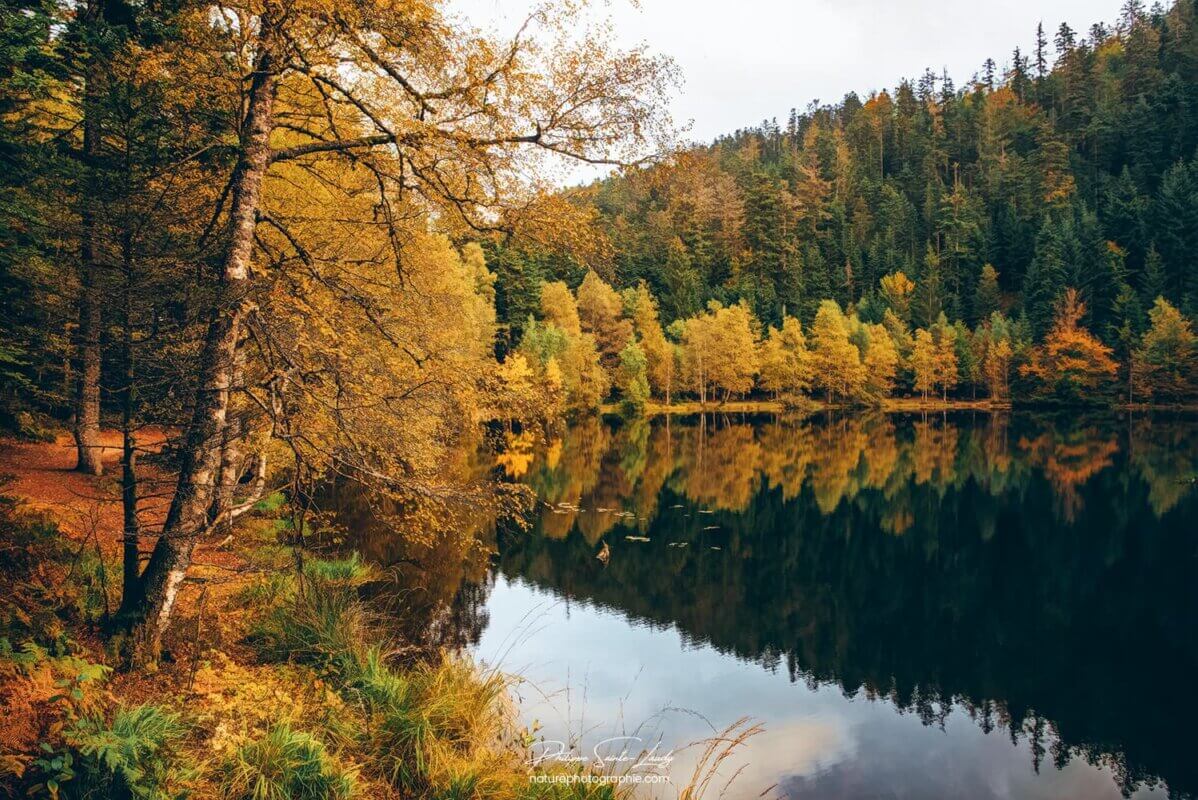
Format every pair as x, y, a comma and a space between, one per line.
1036, 571
433, 587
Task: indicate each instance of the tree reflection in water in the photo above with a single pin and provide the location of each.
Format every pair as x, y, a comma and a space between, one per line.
1037, 572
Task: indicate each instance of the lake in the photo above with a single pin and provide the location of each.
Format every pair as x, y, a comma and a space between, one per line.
948, 606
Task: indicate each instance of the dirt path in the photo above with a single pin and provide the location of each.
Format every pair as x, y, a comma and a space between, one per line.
43, 474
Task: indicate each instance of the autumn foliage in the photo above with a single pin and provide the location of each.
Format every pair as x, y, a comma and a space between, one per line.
1071, 363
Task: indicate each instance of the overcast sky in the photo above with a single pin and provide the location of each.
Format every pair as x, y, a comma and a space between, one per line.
748, 60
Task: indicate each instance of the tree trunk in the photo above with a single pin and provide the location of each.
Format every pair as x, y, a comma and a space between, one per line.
131, 532
232, 462
188, 518
87, 385
232, 455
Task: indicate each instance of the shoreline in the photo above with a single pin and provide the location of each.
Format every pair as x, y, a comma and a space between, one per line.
898, 405
258, 667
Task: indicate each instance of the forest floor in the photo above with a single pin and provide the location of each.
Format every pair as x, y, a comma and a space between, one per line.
268, 677
88, 507
209, 674
43, 475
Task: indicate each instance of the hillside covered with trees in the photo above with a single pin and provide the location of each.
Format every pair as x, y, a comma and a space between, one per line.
259, 257
955, 217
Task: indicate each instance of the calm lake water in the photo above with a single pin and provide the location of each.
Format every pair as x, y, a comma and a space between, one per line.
961, 606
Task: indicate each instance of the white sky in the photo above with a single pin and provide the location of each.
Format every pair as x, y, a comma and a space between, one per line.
748, 60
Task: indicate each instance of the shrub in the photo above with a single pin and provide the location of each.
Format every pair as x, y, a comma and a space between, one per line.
134, 756
287, 765
432, 724
325, 626
41, 696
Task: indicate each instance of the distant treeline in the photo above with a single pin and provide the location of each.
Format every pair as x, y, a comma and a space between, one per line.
597, 343
1072, 167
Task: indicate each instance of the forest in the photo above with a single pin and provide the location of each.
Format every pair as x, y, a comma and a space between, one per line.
253, 250
957, 218
239, 256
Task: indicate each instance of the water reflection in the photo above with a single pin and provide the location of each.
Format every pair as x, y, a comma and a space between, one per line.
1020, 577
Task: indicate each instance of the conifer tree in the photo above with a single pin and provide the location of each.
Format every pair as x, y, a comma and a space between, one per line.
986, 298
1176, 215
1045, 280
1155, 283
928, 300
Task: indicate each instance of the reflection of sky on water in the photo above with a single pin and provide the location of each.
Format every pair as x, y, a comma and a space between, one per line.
591, 671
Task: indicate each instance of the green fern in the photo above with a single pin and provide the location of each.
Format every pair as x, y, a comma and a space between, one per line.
134, 756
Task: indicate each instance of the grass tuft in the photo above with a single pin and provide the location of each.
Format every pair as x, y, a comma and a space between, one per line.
350, 570
325, 626
286, 764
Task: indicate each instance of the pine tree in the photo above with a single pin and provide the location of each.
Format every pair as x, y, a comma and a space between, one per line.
1041, 54
987, 297
1124, 330
683, 282
1064, 41
1124, 217
1156, 282
1176, 215
1045, 280
928, 300
1017, 78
